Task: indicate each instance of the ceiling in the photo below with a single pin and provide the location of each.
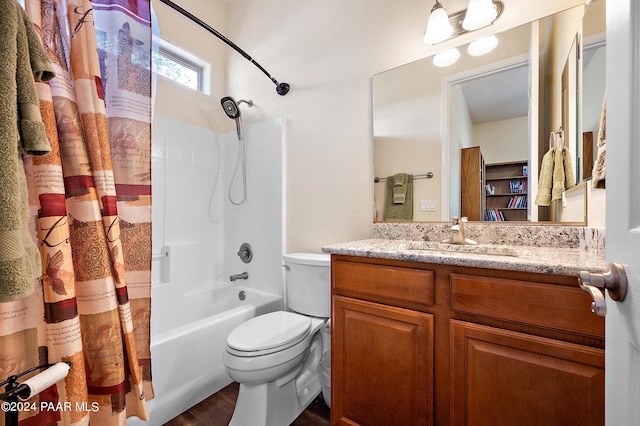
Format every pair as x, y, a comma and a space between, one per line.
498, 96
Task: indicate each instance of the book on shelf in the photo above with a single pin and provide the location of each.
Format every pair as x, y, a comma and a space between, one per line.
517, 202
494, 215
518, 186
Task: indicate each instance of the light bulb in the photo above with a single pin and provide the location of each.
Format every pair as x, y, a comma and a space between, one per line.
482, 45
446, 58
480, 13
438, 26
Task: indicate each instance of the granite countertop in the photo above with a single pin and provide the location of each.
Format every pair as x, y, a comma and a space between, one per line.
540, 259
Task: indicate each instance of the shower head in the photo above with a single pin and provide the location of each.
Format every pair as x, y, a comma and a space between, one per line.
230, 107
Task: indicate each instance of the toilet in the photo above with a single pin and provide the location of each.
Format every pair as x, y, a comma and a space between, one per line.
275, 356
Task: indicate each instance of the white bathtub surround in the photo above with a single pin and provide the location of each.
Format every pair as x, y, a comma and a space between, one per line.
259, 221
193, 305
192, 215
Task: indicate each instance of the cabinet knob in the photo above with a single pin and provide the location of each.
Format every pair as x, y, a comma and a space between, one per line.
614, 281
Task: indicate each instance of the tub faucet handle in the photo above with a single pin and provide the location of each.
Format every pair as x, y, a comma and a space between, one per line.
245, 253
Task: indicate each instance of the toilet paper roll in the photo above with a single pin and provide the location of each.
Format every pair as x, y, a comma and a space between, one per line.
43, 380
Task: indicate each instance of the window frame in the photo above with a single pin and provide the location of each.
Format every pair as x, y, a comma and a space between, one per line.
185, 59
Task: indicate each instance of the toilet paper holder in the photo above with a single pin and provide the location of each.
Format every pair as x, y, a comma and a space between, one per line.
30, 387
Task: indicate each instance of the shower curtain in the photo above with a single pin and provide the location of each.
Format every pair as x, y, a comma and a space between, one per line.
90, 200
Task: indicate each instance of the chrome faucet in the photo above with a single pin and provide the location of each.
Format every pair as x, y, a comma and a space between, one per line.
242, 276
457, 232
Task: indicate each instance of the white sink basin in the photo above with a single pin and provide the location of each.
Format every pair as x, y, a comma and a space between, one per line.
488, 249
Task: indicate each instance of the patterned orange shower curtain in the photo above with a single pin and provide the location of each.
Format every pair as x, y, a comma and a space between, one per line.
91, 201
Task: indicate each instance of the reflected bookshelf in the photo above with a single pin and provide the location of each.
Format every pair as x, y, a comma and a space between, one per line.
506, 191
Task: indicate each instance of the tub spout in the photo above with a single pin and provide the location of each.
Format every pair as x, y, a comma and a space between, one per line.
242, 276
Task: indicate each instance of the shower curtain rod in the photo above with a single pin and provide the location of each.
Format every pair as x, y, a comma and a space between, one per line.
281, 88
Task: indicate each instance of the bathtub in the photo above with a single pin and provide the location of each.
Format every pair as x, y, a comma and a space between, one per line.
187, 349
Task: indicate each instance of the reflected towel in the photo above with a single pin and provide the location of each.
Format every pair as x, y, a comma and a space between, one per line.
399, 212
600, 166
569, 175
563, 177
545, 181
399, 188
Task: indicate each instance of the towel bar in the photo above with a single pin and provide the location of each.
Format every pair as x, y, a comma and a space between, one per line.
427, 175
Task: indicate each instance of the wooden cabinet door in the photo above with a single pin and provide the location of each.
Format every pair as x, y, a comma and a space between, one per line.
501, 377
382, 364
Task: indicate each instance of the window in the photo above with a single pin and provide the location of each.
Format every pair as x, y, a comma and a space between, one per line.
182, 67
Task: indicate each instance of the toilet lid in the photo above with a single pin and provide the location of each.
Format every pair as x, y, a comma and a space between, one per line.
275, 330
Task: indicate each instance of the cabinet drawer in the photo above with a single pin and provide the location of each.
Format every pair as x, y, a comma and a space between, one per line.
537, 304
387, 284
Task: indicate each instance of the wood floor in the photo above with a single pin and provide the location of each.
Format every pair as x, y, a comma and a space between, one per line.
218, 409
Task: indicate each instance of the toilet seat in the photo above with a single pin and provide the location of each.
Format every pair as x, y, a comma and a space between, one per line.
268, 333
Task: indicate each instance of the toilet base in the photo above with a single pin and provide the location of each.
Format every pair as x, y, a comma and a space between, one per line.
277, 403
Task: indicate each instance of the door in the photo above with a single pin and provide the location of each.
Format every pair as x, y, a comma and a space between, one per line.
550, 382
623, 210
382, 366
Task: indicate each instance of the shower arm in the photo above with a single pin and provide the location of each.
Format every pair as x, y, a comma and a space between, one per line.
242, 101
281, 88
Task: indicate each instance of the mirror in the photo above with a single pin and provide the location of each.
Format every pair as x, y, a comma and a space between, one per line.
570, 105
421, 131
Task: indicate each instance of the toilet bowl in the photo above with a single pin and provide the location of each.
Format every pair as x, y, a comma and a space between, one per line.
269, 346
275, 356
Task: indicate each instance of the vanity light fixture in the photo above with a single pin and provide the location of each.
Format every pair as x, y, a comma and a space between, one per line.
480, 13
482, 45
438, 26
446, 57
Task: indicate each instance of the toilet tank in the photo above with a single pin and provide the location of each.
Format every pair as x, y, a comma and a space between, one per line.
308, 283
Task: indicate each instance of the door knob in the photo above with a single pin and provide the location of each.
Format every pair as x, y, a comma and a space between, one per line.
614, 281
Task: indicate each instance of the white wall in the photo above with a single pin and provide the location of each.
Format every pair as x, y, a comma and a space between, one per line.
503, 140
328, 51
460, 136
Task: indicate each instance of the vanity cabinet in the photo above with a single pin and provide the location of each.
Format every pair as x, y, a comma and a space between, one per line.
524, 356
385, 350
500, 377
382, 345
420, 344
